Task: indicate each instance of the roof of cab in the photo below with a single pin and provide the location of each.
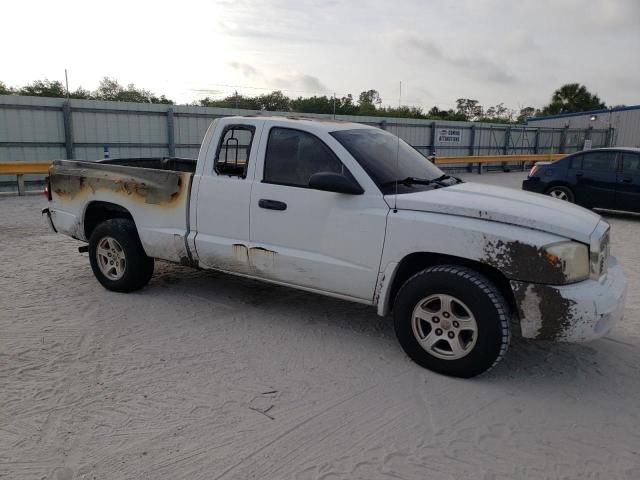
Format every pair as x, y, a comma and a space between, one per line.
325, 124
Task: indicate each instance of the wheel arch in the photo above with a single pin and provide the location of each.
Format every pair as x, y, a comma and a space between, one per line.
558, 183
418, 261
98, 211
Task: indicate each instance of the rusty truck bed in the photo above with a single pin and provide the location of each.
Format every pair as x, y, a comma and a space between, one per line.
156, 198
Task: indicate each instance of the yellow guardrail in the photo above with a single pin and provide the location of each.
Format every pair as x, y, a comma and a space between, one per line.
499, 158
23, 168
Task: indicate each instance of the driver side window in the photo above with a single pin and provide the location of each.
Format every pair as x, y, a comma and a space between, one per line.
293, 156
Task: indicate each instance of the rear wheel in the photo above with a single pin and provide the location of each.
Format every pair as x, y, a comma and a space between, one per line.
561, 193
117, 258
452, 320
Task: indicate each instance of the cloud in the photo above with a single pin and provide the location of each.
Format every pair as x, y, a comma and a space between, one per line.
299, 82
476, 65
244, 68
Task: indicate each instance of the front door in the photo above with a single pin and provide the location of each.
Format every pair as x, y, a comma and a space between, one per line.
628, 193
316, 239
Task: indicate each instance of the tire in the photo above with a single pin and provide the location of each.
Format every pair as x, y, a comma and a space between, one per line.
117, 258
438, 308
561, 193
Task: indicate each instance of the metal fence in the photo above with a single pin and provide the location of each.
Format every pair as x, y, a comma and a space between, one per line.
36, 128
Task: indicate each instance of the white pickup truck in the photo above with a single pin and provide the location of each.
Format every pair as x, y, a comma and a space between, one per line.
353, 212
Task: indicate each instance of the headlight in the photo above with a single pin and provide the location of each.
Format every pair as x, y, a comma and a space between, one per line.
572, 258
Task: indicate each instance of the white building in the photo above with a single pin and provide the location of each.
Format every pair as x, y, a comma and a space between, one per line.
622, 122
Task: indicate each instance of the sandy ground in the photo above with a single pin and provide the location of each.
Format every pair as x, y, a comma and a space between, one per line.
205, 376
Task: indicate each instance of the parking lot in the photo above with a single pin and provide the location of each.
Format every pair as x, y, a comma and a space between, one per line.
207, 376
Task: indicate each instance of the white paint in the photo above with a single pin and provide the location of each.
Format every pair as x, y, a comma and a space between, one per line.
505, 205
333, 243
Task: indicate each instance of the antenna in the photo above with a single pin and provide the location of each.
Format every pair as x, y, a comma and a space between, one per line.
395, 197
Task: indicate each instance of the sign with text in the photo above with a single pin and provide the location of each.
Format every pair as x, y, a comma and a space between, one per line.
449, 135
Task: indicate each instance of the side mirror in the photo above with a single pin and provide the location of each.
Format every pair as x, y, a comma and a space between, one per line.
335, 182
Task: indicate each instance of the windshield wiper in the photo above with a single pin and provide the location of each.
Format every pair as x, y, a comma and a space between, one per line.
416, 181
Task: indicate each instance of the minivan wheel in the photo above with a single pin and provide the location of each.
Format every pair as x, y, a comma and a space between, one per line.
117, 258
452, 320
561, 193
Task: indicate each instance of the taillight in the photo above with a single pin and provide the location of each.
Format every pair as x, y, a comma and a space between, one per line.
47, 189
533, 170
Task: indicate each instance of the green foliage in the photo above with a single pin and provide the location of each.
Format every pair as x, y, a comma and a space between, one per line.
110, 89
527, 112
44, 88
437, 114
571, 98
275, 101
469, 109
232, 101
4, 90
403, 111
324, 104
368, 102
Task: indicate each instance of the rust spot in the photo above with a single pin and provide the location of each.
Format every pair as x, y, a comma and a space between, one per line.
520, 261
156, 187
261, 249
240, 253
544, 313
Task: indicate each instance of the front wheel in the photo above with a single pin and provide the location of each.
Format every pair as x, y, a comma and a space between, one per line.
117, 258
561, 193
452, 320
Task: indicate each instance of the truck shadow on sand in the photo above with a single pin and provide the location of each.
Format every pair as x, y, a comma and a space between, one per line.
527, 362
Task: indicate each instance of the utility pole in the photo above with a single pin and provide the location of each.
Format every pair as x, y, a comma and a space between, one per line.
66, 81
334, 105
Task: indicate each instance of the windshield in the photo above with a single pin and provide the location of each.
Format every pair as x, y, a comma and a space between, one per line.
376, 151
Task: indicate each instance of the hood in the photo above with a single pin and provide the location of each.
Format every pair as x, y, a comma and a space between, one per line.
504, 205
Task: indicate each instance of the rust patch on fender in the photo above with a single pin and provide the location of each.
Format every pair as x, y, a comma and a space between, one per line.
157, 187
544, 313
520, 261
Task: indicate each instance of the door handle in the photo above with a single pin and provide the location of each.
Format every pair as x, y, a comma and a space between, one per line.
626, 179
272, 204
579, 174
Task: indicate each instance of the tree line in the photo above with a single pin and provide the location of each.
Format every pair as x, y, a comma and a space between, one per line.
569, 98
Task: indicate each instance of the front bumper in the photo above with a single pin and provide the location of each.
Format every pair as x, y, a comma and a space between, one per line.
533, 184
578, 312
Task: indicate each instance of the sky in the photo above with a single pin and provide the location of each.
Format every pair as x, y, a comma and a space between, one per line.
516, 52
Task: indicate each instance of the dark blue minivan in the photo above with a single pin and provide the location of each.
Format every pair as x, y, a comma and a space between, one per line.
606, 178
